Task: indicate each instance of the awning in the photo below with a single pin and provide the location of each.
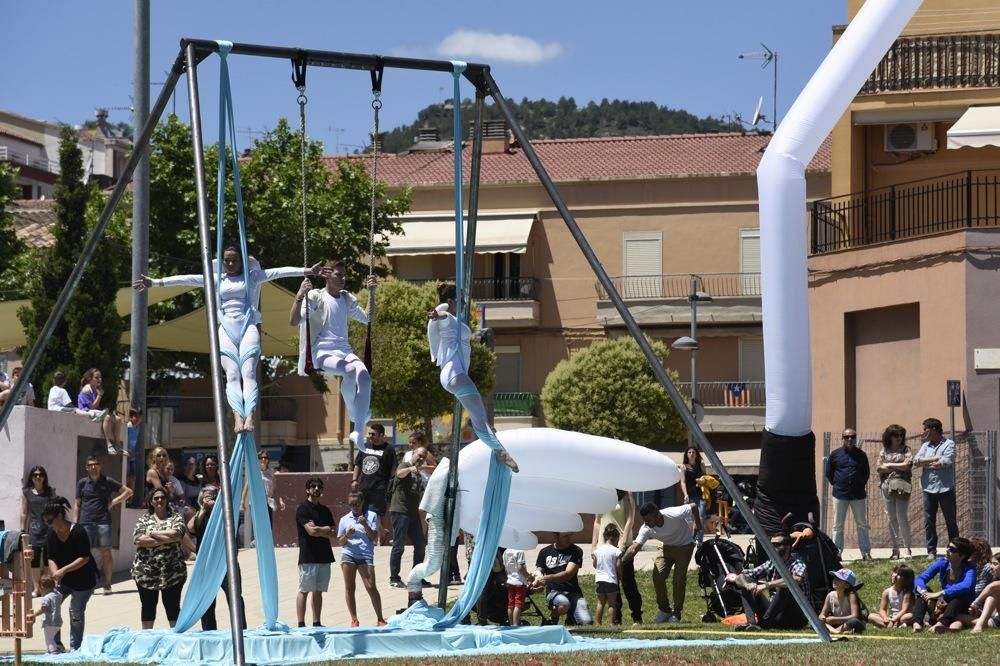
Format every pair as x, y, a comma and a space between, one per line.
435, 234
979, 126
12, 335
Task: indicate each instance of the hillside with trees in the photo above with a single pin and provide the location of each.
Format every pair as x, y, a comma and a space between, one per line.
564, 119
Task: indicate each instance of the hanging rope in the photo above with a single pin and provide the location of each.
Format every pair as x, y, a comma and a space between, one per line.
376, 107
299, 79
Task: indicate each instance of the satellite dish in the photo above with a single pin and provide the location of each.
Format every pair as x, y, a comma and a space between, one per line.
756, 112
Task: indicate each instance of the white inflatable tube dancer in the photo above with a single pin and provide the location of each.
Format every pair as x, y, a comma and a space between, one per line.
526, 517
781, 189
433, 503
551, 493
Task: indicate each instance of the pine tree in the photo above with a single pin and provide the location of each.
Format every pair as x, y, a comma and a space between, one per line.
11, 247
88, 335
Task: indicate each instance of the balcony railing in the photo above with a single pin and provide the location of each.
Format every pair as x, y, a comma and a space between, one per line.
939, 61
499, 289
678, 285
967, 199
515, 404
16, 157
727, 394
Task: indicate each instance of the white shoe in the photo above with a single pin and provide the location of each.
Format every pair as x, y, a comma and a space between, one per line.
97, 415
662, 617
112, 451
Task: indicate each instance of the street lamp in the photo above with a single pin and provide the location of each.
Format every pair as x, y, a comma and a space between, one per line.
768, 57
690, 343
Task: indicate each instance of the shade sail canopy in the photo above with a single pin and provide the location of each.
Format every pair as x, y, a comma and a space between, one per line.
189, 332
435, 234
12, 335
979, 126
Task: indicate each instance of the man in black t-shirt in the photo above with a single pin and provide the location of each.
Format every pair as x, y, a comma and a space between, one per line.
373, 469
316, 527
96, 495
557, 567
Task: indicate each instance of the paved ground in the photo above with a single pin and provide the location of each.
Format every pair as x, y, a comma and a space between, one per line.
121, 609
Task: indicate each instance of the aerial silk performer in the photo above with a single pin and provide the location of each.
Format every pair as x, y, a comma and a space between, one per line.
451, 349
239, 336
787, 482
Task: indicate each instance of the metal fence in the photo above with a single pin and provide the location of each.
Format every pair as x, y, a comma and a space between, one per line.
976, 486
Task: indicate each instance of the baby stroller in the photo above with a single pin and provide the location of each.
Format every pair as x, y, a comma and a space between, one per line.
717, 557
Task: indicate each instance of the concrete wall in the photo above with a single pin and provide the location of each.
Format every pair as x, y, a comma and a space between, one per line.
59, 442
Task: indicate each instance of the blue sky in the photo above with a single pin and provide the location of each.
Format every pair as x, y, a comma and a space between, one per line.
63, 59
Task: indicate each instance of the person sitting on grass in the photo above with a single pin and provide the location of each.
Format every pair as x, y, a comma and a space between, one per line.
957, 576
985, 610
780, 610
841, 611
896, 605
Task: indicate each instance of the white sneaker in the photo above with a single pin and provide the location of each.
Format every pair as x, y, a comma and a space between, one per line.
112, 451
662, 617
97, 415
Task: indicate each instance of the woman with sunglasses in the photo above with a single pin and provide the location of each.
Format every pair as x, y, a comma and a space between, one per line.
36, 493
894, 467
71, 565
210, 471
158, 568
957, 577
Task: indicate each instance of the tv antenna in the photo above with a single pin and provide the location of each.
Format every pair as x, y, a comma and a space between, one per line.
767, 57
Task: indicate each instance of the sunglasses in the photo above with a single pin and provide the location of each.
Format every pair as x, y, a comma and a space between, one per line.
158, 498
315, 486
160, 455
952, 549
262, 458
848, 436
38, 475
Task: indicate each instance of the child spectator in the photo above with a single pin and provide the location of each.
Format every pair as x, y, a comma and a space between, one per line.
59, 400
895, 607
515, 564
984, 610
608, 563
89, 400
132, 444
842, 609
51, 614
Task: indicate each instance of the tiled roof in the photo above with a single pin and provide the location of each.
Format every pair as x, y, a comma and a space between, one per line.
612, 158
14, 135
33, 221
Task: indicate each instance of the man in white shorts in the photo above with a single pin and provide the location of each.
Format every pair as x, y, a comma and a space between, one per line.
316, 528
329, 310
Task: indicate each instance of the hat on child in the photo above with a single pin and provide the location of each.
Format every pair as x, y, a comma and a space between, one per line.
846, 575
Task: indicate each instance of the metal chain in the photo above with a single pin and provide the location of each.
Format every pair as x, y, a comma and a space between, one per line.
376, 105
302, 100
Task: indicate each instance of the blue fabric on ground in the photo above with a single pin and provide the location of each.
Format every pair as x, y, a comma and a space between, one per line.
317, 645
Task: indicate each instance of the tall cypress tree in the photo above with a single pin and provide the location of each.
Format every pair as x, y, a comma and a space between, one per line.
88, 335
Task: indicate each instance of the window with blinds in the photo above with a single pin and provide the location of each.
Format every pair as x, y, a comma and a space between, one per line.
750, 262
643, 263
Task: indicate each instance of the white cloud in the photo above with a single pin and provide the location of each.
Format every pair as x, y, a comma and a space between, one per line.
490, 47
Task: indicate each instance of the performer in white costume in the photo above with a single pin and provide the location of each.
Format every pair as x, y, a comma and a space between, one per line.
329, 310
452, 351
239, 337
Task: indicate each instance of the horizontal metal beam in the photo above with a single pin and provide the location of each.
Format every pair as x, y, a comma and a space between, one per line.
474, 72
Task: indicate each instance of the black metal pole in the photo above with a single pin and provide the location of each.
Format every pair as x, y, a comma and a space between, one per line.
657, 367
138, 150
211, 303
204, 47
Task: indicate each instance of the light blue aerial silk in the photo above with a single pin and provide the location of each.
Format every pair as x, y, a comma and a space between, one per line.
497, 490
210, 567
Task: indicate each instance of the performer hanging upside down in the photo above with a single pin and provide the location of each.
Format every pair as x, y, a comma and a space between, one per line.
239, 336
452, 351
329, 310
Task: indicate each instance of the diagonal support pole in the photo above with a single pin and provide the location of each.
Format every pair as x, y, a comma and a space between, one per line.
658, 370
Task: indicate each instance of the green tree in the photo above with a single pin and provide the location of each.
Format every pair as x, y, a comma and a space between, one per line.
405, 382
609, 389
55, 265
13, 252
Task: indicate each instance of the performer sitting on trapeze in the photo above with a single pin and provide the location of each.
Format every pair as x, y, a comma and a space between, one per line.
329, 310
452, 352
239, 336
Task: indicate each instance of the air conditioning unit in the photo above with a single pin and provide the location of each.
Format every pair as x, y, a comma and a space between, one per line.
910, 138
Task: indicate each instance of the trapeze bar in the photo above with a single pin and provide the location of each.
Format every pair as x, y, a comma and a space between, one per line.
205, 47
